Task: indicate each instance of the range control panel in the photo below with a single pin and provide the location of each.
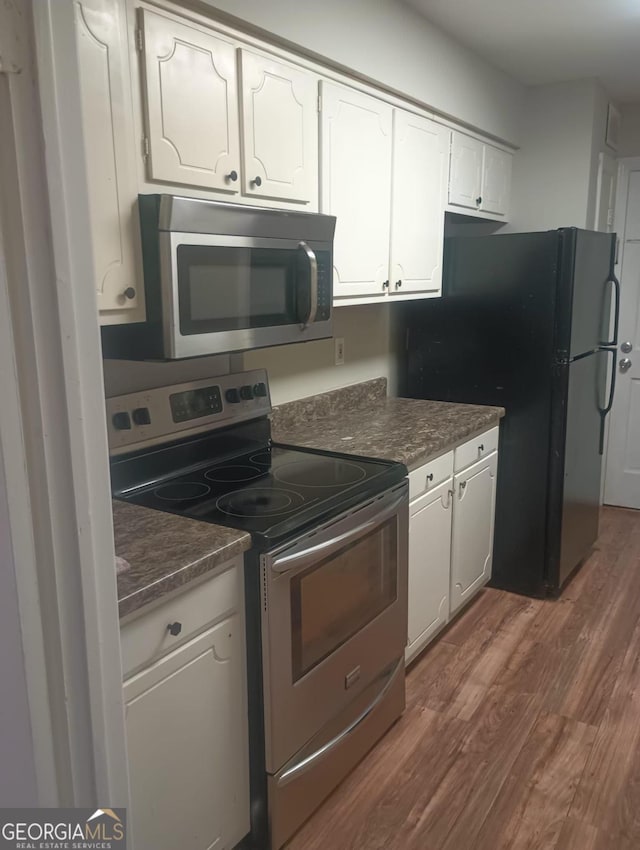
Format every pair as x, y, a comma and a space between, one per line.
160, 414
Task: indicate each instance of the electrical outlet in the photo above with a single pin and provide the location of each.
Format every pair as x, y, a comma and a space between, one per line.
339, 350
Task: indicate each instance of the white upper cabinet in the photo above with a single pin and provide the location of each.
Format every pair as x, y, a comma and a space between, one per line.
109, 139
419, 187
191, 103
280, 129
479, 177
355, 186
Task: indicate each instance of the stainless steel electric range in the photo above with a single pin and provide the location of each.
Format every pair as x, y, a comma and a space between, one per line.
325, 579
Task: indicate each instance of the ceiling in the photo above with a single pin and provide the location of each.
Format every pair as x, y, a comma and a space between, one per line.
547, 41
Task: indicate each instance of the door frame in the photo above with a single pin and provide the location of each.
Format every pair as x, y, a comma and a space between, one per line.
53, 429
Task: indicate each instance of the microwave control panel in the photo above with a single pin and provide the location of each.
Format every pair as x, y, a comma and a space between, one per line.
154, 416
324, 286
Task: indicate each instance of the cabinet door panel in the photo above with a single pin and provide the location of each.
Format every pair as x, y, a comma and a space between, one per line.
187, 733
472, 536
429, 566
280, 129
109, 146
420, 170
465, 178
191, 99
356, 187
496, 181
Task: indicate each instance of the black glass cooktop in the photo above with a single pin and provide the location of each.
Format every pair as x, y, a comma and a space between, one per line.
270, 492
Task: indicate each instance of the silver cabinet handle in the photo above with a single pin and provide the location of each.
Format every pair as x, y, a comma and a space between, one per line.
626, 347
313, 272
625, 364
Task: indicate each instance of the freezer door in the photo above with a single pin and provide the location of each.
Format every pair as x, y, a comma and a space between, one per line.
584, 292
580, 482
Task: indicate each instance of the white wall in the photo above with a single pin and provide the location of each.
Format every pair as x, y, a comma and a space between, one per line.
391, 43
630, 130
554, 171
17, 770
296, 371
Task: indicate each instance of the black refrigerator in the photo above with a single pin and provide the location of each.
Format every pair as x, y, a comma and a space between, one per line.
525, 323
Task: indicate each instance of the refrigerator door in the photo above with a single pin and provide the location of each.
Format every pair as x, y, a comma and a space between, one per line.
575, 469
584, 292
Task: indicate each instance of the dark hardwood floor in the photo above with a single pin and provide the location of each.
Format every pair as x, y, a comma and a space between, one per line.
522, 727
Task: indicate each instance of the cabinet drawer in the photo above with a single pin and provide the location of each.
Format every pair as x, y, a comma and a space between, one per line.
475, 449
147, 638
430, 475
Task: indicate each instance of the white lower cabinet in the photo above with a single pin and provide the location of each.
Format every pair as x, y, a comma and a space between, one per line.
451, 521
187, 737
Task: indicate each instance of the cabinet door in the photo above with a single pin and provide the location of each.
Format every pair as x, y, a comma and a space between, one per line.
429, 566
472, 536
107, 118
192, 109
356, 187
496, 181
419, 185
186, 723
465, 176
280, 129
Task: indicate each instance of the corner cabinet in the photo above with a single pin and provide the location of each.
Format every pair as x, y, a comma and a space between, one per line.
236, 122
110, 152
383, 175
479, 178
451, 522
186, 718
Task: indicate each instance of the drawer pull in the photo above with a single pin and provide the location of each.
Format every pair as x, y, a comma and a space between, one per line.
430, 476
174, 629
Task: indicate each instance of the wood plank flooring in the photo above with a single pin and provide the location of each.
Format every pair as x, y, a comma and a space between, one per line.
522, 727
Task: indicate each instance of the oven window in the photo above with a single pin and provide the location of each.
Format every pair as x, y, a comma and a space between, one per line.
226, 288
337, 597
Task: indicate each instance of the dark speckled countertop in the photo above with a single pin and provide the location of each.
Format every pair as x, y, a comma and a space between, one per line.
368, 423
166, 551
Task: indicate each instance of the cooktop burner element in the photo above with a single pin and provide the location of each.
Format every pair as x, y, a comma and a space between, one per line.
233, 474
259, 502
182, 491
304, 473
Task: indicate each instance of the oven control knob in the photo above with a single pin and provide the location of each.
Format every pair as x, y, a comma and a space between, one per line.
232, 395
246, 392
141, 416
121, 421
260, 390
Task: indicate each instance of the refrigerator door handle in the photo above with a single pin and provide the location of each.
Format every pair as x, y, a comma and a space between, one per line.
604, 411
616, 315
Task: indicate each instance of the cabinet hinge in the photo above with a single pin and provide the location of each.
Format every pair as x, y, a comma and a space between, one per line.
145, 146
319, 103
139, 44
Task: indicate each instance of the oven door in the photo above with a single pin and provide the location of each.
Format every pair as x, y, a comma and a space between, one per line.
334, 617
229, 293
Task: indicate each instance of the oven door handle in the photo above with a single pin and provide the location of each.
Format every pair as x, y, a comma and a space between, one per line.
299, 560
313, 285
307, 762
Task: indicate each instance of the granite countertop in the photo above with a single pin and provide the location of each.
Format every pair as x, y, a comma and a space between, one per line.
166, 551
366, 422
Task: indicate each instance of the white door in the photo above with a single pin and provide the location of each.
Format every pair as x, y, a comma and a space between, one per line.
280, 129
606, 192
622, 482
496, 181
472, 536
429, 566
107, 118
192, 105
419, 186
356, 187
465, 175
186, 725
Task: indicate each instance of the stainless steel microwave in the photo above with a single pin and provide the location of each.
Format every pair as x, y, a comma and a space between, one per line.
221, 277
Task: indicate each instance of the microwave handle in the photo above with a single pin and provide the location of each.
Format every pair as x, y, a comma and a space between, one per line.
313, 285
300, 560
